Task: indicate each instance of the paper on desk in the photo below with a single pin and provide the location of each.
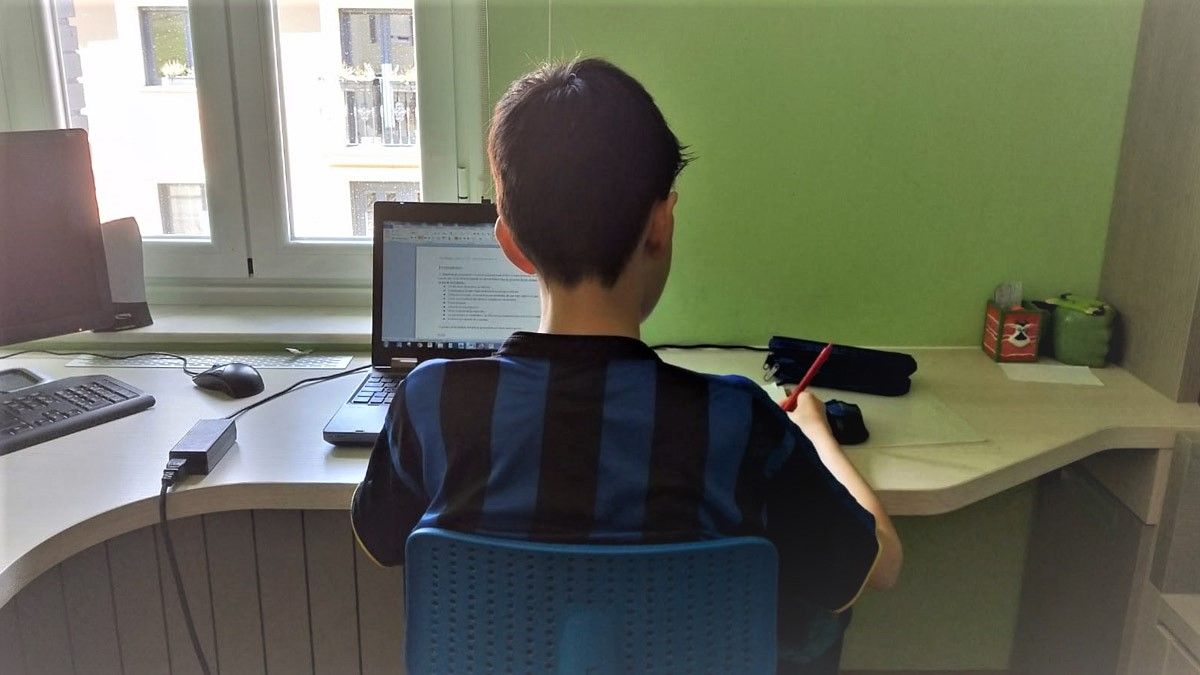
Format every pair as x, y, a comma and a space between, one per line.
917, 418
1048, 373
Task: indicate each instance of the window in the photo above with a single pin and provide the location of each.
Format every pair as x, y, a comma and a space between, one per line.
378, 77
364, 195
166, 45
257, 134
184, 209
363, 132
146, 142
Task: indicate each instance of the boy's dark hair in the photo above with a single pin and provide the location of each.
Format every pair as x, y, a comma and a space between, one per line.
580, 153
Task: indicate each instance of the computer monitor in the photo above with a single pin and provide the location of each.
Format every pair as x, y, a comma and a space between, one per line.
53, 275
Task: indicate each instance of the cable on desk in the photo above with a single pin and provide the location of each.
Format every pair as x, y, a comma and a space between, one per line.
171, 474
104, 356
295, 385
710, 345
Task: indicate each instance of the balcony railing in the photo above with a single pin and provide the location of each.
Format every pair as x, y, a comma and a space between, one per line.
380, 111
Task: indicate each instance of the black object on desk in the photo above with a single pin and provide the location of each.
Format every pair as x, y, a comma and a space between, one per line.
846, 422
47, 411
867, 371
236, 380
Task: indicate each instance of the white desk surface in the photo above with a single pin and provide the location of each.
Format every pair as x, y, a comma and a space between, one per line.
61, 497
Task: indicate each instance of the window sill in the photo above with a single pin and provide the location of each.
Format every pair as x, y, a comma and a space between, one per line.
260, 326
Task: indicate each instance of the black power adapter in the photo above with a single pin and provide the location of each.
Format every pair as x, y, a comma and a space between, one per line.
202, 447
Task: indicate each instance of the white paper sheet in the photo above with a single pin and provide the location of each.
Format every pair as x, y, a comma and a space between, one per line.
1050, 373
917, 418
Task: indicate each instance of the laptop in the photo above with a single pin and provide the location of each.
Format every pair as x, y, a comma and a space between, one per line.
442, 288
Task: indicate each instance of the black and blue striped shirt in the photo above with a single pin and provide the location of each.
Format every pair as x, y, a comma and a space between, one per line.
595, 439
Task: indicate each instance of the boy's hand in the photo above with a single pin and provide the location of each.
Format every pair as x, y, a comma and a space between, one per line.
809, 415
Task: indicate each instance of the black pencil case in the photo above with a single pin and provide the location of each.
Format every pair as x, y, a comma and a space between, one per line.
867, 371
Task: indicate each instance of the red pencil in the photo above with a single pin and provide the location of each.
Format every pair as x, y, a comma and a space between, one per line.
789, 404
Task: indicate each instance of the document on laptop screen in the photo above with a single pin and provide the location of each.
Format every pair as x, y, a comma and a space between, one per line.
466, 291
451, 284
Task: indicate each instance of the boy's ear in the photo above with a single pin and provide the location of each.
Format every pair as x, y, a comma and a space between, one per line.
508, 244
661, 228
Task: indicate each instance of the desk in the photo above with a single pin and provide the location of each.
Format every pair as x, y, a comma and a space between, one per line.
62, 497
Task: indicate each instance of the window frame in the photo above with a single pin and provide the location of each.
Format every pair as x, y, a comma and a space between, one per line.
28, 76
276, 255
235, 57
28, 33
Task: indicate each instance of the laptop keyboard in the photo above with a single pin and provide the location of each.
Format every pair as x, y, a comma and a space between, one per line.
378, 389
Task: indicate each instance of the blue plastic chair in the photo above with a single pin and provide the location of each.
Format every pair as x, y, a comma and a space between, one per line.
483, 605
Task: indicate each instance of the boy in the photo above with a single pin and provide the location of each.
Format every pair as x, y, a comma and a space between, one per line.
579, 433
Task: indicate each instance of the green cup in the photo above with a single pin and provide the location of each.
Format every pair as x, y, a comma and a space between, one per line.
1083, 339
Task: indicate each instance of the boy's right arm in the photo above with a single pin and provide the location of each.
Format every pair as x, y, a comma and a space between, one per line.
391, 499
809, 415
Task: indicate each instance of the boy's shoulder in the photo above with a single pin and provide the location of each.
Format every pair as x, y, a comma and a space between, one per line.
428, 375
735, 385
433, 371
434, 367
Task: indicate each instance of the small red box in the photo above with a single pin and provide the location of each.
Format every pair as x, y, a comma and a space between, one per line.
1011, 334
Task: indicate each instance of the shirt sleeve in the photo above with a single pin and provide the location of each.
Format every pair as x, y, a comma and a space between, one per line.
825, 539
391, 499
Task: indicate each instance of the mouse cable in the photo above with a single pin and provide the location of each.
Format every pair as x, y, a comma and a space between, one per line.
104, 356
708, 345
295, 385
174, 472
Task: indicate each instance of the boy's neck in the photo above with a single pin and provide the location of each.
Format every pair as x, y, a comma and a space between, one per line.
590, 309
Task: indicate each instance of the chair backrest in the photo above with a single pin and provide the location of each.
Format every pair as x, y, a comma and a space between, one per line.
483, 605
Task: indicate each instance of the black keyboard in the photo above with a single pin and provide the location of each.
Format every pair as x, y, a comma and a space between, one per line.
46, 411
378, 389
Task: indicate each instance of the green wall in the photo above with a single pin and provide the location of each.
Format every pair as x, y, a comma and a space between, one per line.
867, 171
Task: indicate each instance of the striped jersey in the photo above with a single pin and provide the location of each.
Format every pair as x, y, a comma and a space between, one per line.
595, 439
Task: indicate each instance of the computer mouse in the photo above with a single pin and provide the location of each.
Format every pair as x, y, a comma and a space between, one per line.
846, 422
237, 380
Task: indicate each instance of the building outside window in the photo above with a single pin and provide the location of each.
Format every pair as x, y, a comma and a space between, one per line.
166, 45
378, 78
184, 209
363, 196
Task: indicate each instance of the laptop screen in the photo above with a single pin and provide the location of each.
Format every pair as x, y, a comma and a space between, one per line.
449, 286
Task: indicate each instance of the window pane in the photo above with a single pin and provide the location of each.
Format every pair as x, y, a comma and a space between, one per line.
166, 45
363, 196
130, 83
348, 76
183, 208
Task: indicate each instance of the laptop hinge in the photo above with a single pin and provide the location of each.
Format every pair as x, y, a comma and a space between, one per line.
403, 366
